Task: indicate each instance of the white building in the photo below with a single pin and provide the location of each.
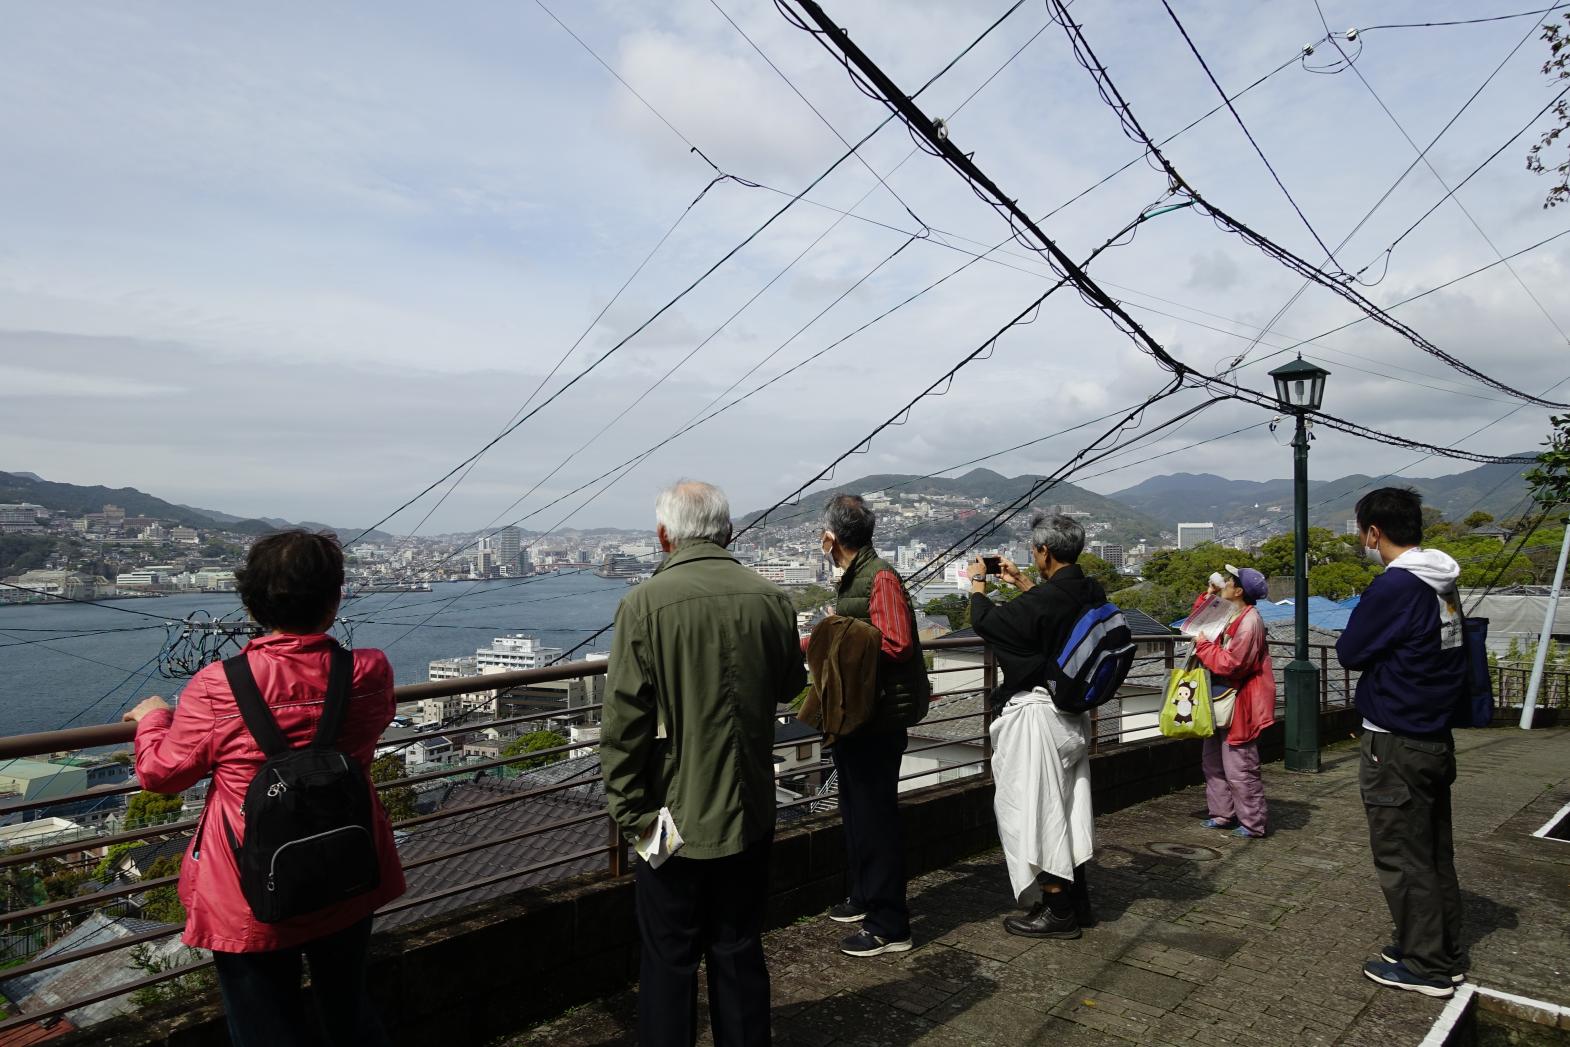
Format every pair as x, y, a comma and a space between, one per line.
510, 653
440, 710
14, 515
787, 572
1190, 535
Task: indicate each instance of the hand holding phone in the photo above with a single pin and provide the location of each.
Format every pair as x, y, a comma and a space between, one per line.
994, 564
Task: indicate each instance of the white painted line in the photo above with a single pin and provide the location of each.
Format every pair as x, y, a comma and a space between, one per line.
1549, 1013
1444, 1025
1543, 832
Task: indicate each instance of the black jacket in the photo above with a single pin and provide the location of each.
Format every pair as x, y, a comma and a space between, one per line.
1027, 633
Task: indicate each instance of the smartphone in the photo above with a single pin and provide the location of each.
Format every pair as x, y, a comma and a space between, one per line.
994, 564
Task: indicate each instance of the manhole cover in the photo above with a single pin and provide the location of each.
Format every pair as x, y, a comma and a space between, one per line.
1186, 851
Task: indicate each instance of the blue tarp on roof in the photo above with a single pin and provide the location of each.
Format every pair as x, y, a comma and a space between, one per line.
1322, 613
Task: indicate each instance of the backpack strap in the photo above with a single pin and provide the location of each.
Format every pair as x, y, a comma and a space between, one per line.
253, 708
259, 718
339, 674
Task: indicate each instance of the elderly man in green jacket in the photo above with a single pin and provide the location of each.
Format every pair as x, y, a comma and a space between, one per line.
704, 653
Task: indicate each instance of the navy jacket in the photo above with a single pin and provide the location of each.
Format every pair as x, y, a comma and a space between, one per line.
1411, 684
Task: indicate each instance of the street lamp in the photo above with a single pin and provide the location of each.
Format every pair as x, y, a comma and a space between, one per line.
1300, 387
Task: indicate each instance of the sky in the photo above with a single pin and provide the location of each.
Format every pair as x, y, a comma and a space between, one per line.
302, 260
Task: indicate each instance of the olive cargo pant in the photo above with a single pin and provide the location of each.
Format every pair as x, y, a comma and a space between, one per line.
1405, 784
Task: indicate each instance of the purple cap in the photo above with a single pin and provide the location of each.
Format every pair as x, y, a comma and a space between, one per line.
1250, 581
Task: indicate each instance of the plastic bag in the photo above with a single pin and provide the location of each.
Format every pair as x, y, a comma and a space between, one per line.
1186, 711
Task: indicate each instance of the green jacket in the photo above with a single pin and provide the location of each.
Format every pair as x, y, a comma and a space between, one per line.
704, 653
904, 692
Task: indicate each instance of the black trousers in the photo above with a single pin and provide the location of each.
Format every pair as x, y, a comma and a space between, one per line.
692, 909
1405, 784
868, 768
265, 1004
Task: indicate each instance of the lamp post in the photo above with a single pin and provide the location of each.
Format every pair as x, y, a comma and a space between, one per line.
1300, 388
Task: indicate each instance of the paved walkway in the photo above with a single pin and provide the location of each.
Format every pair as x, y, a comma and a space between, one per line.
1239, 942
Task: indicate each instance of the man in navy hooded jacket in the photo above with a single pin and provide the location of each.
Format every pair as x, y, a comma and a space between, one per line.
1406, 638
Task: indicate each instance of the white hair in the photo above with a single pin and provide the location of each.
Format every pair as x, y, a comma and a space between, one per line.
693, 509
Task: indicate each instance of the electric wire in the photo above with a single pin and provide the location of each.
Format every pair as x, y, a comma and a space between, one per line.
1194, 49
732, 252
1086, 56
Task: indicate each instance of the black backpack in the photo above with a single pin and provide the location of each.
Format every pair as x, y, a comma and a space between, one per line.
309, 836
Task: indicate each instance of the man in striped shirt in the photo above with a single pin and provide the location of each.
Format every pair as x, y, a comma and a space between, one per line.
868, 760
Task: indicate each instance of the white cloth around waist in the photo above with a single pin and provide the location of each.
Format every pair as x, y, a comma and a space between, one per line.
1041, 799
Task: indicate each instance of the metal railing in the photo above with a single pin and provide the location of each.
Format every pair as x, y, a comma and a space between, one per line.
1111, 723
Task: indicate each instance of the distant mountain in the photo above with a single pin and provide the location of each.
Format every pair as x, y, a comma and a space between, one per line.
1196, 497
73, 498
1127, 524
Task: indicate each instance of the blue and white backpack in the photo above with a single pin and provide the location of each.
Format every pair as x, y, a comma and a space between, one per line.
1095, 660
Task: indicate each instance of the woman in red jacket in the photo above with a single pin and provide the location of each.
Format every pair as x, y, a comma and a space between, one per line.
1239, 659
291, 584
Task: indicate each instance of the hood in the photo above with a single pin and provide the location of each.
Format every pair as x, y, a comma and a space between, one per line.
1438, 569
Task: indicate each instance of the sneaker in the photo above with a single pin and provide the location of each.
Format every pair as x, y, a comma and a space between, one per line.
847, 911
1217, 823
1392, 954
1247, 834
1396, 976
865, 943
1040, 922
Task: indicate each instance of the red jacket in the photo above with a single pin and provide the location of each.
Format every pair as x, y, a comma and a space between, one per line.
1242, 660
205, 735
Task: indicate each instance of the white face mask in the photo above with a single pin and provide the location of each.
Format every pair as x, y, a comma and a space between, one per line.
1372, 553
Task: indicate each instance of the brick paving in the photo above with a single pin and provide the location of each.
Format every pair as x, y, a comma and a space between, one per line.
1241, 942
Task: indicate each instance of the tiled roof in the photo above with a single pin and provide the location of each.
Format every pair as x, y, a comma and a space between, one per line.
90, 976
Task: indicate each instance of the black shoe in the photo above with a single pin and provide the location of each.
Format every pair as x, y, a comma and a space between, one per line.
1041, 922
1396, 976
847, 911
1392, 954
865, 943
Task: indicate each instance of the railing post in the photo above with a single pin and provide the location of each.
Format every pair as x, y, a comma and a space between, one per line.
1324, 678
989, 683
1169, 656
618, 849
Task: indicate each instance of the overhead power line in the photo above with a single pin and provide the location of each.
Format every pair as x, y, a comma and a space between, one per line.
1086, 56
714, 267
1194, 49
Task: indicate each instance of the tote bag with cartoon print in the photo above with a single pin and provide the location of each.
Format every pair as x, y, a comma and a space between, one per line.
1186, 710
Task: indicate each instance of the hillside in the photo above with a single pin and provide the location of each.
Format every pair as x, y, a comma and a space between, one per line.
75, 499
1495, 489
1127, 524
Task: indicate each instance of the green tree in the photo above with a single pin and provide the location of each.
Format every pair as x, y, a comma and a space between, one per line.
531, 742
399, 801
144, 960
1164, 603
954, 607
1110, 577
1338, 581
162, 904
1557, 67
1477, 519
112, 858
811, 597
148, 808
1549, 480
1189, 570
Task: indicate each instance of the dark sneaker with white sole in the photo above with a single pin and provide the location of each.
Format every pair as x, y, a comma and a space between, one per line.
1396, 976
847, 911
868, 944
1392, 954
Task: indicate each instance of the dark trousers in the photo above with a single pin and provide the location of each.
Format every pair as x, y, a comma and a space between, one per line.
265, 1003
868, 768
1405, 784
692, 909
